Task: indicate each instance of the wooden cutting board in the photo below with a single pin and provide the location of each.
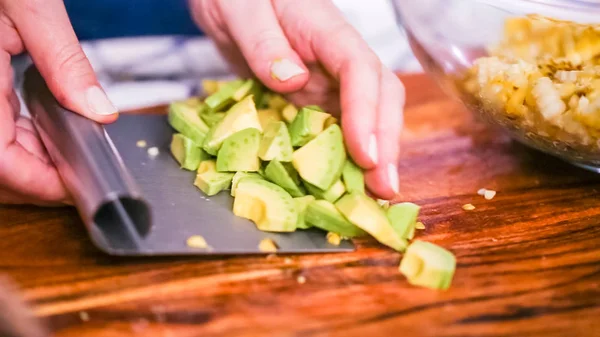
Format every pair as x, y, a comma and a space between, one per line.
528, 260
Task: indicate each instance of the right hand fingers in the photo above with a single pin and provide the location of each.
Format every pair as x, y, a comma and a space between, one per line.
48, 36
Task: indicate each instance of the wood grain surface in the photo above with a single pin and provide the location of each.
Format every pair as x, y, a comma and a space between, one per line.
528, 260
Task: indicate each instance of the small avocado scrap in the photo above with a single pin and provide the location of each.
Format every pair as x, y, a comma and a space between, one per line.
428, 265
301, 204
332, 194
209, 181
307, 125
223, 97
239, 152
289, 113
267, 116
269, 206
187, 153
403, 218
353, 177
364, 212
320, 162
276, 143
238, 176
184, 118
241, 116
286, 177
323, 214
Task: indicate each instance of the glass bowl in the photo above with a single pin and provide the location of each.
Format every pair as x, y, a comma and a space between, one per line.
531, 67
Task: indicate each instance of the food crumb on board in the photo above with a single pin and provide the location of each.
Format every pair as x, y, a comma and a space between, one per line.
153, 151
271, 257
301, 279
288, 260
141, 143
84, 316
334, 239
487, 194
468, 207
197, 241
420, 225
481, 191
267, 245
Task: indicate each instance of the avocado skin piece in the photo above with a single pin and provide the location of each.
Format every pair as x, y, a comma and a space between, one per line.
364, 212
307, 125
223, 97
277, 173
187, 153
332, 194
276, 143
301, 205
403, 218
323, 214
428, 265
320, 162
239, 152
184, 119
209, 181
269, 206
353, 177
238, 176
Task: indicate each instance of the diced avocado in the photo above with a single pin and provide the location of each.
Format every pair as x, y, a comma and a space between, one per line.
307, 125
238, 176
301, 204
187, 153
209, 180
241, 116
329, 121
366, 214
210, 86
276, 101
269, 206
332, 194
240, 152
428, 265
277, 173
250, 87
403, 218
315, 107
223, 97
211, 118
320, 161
353, 177
184, 118
267, 116
324, 215
289, 113
276, 143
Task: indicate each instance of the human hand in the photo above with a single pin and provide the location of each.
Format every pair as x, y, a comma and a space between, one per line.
42, 28
331, 65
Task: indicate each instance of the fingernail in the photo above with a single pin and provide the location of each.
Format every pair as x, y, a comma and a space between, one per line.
373, 149
393, 177
284, 69
99, 102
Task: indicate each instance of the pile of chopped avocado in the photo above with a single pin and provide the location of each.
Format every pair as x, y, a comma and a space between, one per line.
287, 169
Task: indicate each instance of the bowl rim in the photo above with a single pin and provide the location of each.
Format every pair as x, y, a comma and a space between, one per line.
580, 11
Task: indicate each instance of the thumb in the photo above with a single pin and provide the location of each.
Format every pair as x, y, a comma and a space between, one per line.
49, 38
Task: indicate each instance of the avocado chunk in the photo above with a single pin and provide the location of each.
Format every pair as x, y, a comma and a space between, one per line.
249, 87
211, 118
366, 214
289, 113
238, 176
307, 125
276, 143
353, 177
187, 153
286, 177
324, 215
320, 161
267, 116
428, 265
276, 101
241, 116
269, 206
209, 181
403, 218
332, 194
183, 117
223, 98
301, 205
239, 152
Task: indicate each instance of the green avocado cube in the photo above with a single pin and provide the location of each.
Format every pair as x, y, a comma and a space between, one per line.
223, 98
353, 177
183, 117
239, 152
301, 204
209, 180
285, 176
323, 214
211, 118
187, 153
249, 87
332, 194
238, 176
276, 143
428, 265
403, 218
289, 113
307, 125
